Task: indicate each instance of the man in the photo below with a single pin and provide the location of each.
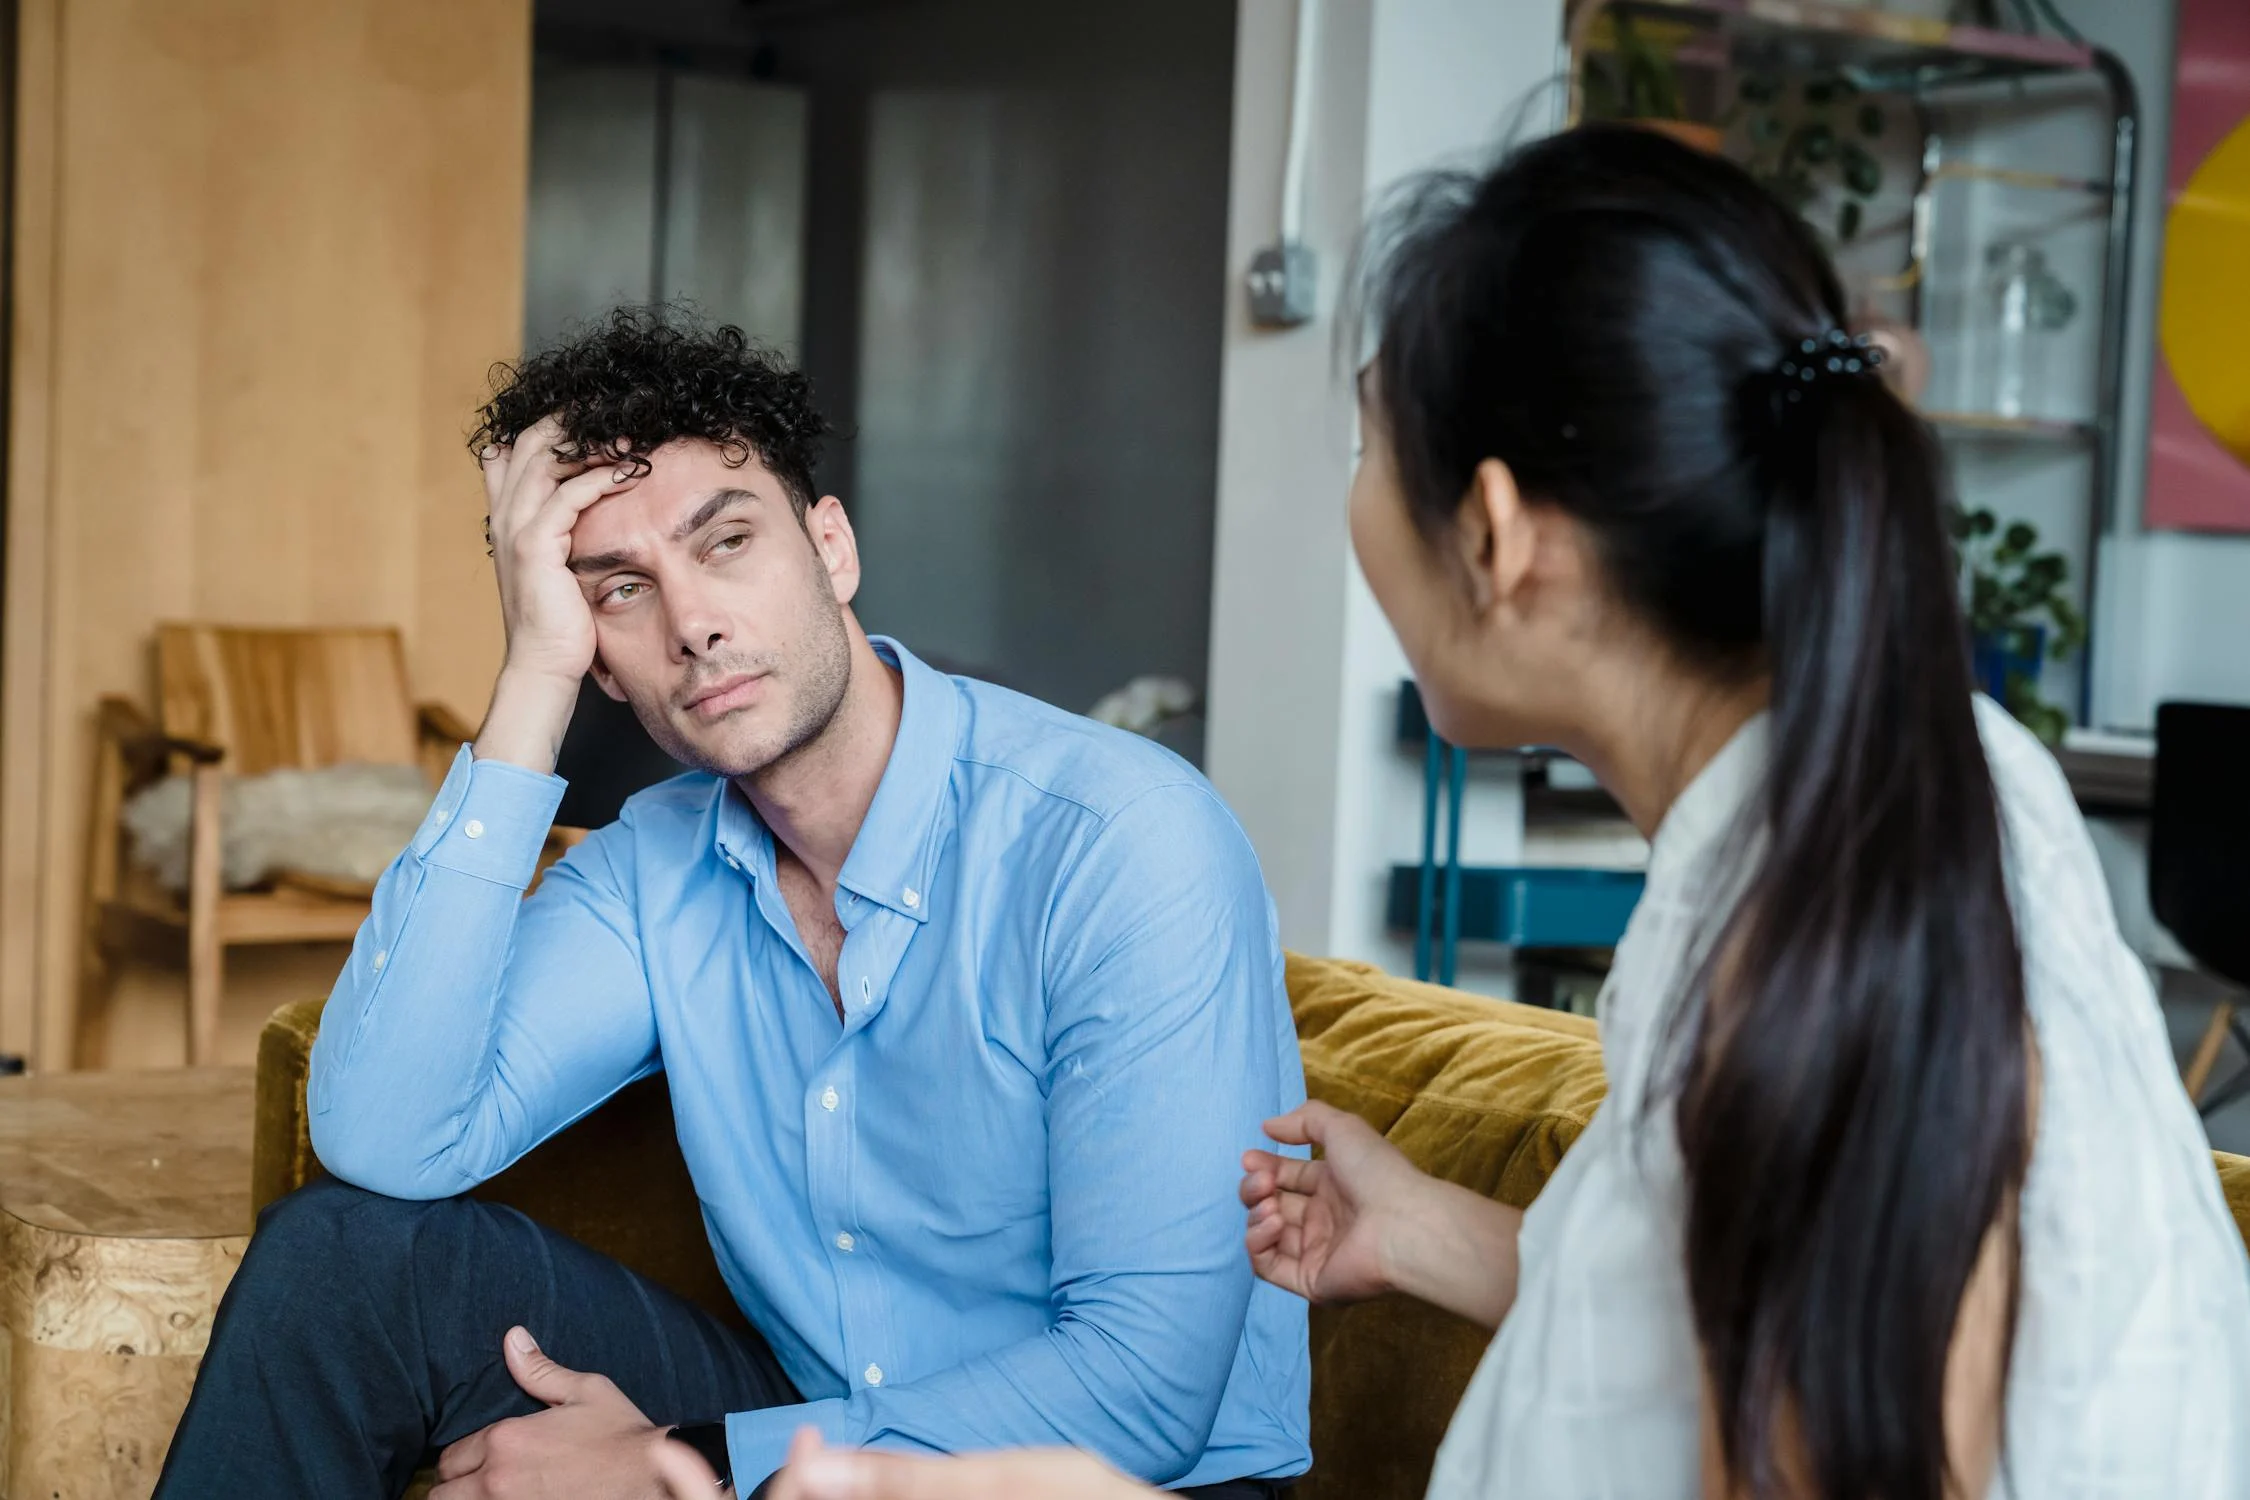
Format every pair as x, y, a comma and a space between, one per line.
968, 1008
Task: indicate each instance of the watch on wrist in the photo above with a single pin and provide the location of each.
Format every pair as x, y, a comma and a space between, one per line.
710, 1440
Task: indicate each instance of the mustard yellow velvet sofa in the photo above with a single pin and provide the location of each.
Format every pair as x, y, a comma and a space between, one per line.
1485, 1094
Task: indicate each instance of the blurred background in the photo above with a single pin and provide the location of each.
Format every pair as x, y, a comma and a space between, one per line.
1069, 276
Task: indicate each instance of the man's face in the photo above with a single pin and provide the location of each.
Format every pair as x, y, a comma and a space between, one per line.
718, 615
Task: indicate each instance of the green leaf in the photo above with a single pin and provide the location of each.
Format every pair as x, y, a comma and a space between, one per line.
1982, 522
1820, 89
1600, 92
1847, 221
1871, 120
1816, 142
2021, 536
1863, 174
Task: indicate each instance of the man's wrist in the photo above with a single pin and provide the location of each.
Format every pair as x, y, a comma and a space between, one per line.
530, 712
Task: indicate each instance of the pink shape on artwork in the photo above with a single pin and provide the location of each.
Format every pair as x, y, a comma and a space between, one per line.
2194, 483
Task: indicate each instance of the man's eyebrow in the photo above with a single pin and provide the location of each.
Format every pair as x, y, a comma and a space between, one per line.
704, 513
600, 562
721, 500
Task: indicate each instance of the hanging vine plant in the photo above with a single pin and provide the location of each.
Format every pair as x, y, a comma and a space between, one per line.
1810, 135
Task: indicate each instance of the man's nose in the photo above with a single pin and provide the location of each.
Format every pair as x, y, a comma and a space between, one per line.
698, 627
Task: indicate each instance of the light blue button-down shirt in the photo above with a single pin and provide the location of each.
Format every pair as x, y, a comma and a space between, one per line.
995, 1206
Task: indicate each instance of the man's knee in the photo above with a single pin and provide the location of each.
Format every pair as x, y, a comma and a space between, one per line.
328, 1232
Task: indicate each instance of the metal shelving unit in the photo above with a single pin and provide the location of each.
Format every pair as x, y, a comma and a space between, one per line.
1552, 917
1933, 67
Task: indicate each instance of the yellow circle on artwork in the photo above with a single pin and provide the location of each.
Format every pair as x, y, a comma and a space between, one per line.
2206, 315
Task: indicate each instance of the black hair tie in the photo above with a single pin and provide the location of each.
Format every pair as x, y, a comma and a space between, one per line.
1834, 355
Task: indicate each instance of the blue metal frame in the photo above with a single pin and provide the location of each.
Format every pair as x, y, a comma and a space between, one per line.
1528, 908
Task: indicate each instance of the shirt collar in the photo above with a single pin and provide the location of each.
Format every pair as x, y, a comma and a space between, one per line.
896, 851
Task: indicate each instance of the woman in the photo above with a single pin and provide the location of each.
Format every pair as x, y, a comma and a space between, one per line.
1896, 1193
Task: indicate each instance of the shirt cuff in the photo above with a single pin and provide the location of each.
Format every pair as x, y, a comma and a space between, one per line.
490, 819
757, 1441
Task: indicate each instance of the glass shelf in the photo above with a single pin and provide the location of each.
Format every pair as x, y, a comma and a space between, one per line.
1879, 51
1977, 424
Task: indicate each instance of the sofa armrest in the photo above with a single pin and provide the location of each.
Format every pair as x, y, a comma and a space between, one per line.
615, 1181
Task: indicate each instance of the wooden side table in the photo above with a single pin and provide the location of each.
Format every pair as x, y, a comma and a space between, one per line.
124, 1210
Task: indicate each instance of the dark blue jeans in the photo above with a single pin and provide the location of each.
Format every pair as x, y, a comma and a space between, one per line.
362, 1334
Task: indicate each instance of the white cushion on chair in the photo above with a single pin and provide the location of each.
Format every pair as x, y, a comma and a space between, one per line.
343, 824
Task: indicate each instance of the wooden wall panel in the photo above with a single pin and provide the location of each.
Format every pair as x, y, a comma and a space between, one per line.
286, 244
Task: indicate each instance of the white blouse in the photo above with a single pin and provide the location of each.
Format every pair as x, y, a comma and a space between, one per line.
2131, 1367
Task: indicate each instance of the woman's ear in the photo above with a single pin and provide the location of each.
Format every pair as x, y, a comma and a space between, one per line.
1498, 535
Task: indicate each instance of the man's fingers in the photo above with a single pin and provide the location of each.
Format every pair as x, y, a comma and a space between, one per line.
531, 535
464, 1457
541, 1378
532, 471
531, 453
559, 512
493, 463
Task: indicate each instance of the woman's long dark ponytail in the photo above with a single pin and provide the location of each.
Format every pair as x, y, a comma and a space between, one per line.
1606, 312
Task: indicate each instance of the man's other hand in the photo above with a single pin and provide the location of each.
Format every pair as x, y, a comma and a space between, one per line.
819, 1473
589, 1444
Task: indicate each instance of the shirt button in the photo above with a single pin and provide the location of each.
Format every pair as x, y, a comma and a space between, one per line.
866, 991
828, 1098
441, 817
473, 829
382, 957
844, 1243
913, 897
873, 1374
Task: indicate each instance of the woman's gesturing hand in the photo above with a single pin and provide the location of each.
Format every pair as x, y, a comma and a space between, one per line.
1323, 1229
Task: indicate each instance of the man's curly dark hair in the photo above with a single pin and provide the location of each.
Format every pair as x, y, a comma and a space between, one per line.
624, 386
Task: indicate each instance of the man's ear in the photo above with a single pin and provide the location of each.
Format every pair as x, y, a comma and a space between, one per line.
1498, 535
605, 681
836, 545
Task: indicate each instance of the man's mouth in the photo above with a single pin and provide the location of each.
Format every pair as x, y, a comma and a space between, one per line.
716, 699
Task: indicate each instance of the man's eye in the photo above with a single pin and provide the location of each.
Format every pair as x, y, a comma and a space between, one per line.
731, 543
624, 591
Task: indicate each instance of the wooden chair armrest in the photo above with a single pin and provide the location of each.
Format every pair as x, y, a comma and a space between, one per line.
442, 724
121, 720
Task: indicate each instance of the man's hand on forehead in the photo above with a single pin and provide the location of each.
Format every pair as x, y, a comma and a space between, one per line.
534, 501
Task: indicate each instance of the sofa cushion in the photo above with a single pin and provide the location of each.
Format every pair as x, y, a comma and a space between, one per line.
1480, 1092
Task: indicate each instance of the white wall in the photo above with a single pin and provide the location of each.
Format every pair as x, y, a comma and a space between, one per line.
1304, 671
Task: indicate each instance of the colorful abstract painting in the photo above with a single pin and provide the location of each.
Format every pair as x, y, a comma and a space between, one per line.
2199, 448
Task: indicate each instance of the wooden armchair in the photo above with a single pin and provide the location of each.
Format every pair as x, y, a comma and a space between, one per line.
242, 702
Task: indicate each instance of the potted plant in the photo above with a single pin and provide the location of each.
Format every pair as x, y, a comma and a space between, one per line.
1629, 76
2019, 616
1816, 134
